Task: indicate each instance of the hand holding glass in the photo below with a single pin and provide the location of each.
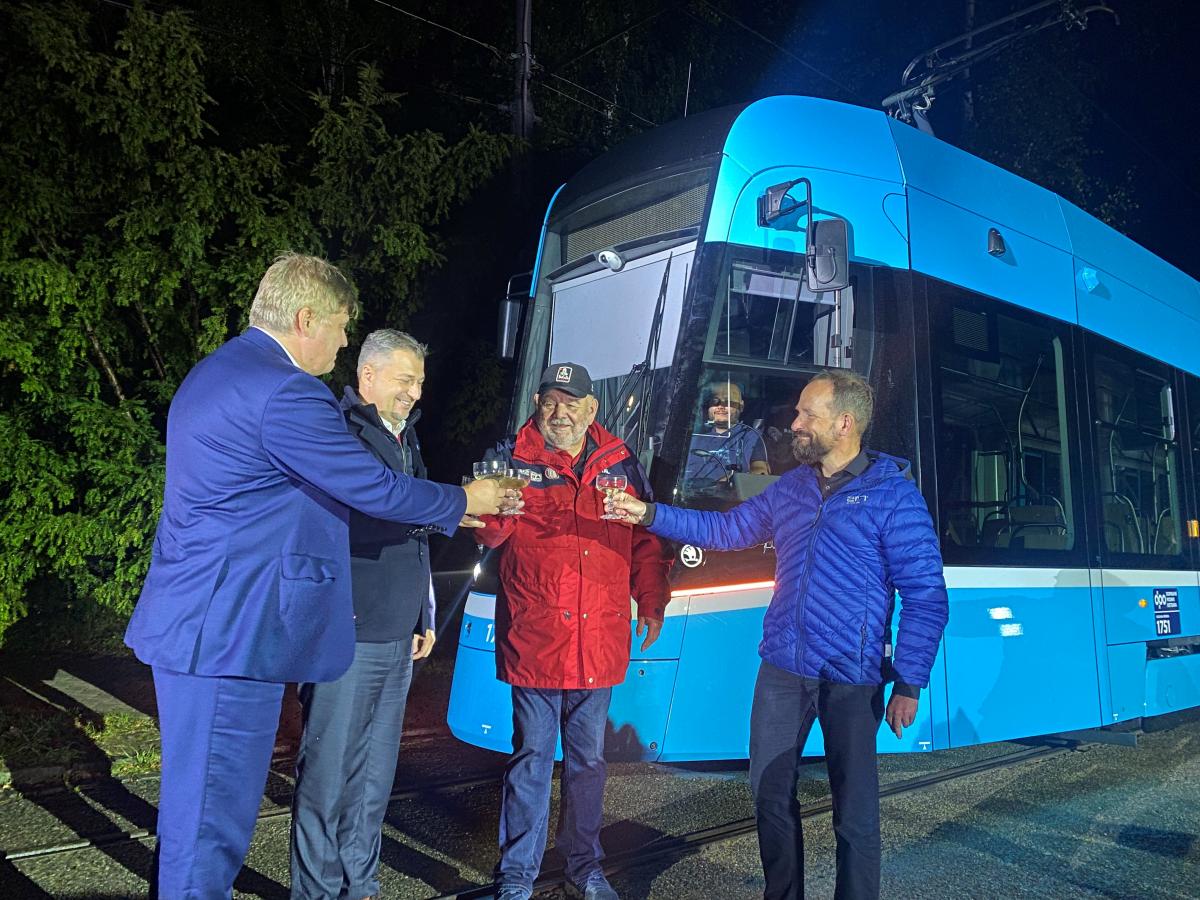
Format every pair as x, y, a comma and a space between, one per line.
610, 484
510, 480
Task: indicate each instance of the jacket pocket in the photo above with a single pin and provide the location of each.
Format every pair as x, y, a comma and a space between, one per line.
299, 567
307, 588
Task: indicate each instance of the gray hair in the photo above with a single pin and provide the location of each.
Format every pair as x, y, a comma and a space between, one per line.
295, 281
385, 341
851, 394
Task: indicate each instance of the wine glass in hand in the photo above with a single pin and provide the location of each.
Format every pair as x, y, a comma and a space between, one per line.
611, 484
491, 468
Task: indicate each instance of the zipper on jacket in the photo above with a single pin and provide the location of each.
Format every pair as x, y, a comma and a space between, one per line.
803, 593
812, 541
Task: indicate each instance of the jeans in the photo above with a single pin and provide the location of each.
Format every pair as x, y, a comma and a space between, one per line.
525, 797
344, 772
217, 738
785, 706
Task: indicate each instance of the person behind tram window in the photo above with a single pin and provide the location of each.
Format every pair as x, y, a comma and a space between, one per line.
724, 445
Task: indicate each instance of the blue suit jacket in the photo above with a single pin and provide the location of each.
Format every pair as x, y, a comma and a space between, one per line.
250, 572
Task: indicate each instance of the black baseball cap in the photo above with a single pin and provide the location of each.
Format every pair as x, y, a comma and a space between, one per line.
570, 378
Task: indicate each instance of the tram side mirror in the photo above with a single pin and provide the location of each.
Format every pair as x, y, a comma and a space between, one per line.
774, 203
508, 322
508, 326
828, 256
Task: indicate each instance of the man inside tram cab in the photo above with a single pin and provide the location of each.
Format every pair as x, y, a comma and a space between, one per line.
725, 444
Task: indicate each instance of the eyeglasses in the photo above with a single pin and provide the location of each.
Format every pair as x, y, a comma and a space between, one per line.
723, 401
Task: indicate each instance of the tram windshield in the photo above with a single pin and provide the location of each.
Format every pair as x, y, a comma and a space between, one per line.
610, 297
767, 335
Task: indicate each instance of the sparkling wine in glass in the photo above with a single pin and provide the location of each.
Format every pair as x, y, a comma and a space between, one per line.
610, 484
491, 468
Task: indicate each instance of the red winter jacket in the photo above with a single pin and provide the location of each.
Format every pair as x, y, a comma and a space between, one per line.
566, 575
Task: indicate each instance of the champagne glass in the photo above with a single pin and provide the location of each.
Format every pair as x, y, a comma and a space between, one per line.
490, 468
610, 484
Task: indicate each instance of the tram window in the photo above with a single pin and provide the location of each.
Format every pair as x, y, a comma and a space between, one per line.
740, 440
1004, 481
766, 313
1137, 455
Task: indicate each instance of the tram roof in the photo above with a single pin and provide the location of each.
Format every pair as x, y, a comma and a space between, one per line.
838, 137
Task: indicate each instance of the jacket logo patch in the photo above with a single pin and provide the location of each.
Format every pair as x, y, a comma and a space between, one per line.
857, 498
551, 474
534, 476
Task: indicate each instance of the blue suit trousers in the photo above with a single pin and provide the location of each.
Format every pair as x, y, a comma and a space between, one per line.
345, 770
217, 738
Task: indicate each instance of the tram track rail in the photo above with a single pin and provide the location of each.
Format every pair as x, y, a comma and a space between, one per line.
117, 837
678, 846
672, 846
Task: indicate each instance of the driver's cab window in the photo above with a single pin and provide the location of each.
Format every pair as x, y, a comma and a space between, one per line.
740, 440
767, 335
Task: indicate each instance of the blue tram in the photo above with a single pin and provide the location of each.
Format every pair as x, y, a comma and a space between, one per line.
1037, 367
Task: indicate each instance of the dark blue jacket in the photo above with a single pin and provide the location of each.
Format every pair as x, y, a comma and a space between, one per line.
837, 563
250, 571
389, 561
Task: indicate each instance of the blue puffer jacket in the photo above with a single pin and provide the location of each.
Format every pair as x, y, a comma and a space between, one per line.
837, 562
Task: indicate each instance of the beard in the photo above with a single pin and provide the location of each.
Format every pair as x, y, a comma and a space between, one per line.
561, 440
807, 447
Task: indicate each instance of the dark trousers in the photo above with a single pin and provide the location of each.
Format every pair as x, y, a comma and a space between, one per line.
785, 706
345, 770
538, 716
217, 737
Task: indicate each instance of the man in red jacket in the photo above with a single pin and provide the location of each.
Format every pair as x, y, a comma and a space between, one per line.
562, 626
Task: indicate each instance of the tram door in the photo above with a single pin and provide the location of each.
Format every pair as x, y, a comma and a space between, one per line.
1148, 580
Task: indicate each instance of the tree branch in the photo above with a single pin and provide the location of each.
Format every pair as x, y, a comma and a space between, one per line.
106, 365
155, 356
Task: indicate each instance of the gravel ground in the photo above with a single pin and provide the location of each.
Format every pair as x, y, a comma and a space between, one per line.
1107, 822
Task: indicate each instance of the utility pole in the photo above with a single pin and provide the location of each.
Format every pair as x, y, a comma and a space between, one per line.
522, 114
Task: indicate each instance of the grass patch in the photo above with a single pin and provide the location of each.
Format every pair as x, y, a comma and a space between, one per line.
35, 738
130, 741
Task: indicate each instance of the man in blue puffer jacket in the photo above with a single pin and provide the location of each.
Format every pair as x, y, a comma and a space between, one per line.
850, 530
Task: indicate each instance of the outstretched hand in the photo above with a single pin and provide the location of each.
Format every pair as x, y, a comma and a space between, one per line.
630, 509
486, 497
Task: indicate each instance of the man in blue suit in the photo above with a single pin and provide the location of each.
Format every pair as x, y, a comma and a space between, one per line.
249, 581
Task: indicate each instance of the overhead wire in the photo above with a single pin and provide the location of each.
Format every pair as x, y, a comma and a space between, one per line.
466, 37
602, 98
850, 92
542, 85
612, 37
496, 52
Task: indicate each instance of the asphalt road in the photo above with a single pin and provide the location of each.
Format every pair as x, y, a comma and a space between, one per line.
1108, 821
1102, 822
